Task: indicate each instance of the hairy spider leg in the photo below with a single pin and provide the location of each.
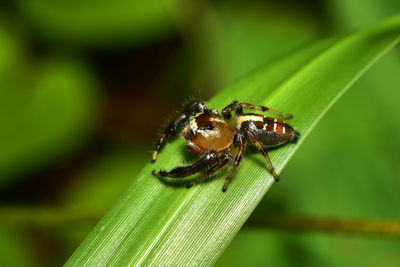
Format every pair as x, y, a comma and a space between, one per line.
180, 172
176, 126
221, 162
242, 145
238, 107
265, 154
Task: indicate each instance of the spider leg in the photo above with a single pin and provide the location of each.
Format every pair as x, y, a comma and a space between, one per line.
176, 126
238, 107
265, 154
221, 162
242, 145
180, 172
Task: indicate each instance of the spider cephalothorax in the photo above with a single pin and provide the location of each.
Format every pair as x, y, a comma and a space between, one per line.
208, 132
219, 139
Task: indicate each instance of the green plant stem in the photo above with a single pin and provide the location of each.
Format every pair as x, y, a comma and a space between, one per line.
327, 224
45, 216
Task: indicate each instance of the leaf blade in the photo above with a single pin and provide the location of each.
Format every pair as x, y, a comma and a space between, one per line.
157, 224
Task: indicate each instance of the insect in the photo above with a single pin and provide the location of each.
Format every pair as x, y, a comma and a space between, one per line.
221, 138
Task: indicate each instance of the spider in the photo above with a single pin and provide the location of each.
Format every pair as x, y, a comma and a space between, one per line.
219, 139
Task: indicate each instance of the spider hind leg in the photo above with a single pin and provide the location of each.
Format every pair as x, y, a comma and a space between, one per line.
238, 108
241, 143
264, 153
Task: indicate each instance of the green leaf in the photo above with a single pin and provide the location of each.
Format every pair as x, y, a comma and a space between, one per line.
155, 223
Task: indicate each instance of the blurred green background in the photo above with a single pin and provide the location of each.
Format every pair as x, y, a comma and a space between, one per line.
85, 86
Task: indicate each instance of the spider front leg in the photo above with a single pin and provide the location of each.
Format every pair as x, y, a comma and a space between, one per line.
264, 153
238, 107
176, 126
220, 162
180, 172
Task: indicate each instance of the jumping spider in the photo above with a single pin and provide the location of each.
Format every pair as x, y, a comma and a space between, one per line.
218, 139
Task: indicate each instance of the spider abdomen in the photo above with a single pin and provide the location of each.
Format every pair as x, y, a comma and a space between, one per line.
268, 131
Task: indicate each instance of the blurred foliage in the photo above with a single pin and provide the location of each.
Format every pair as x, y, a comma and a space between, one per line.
14, 248
45, 111
57, 147
97, 23
123, 165
225, 41
358, 13
269, 248
9, 49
